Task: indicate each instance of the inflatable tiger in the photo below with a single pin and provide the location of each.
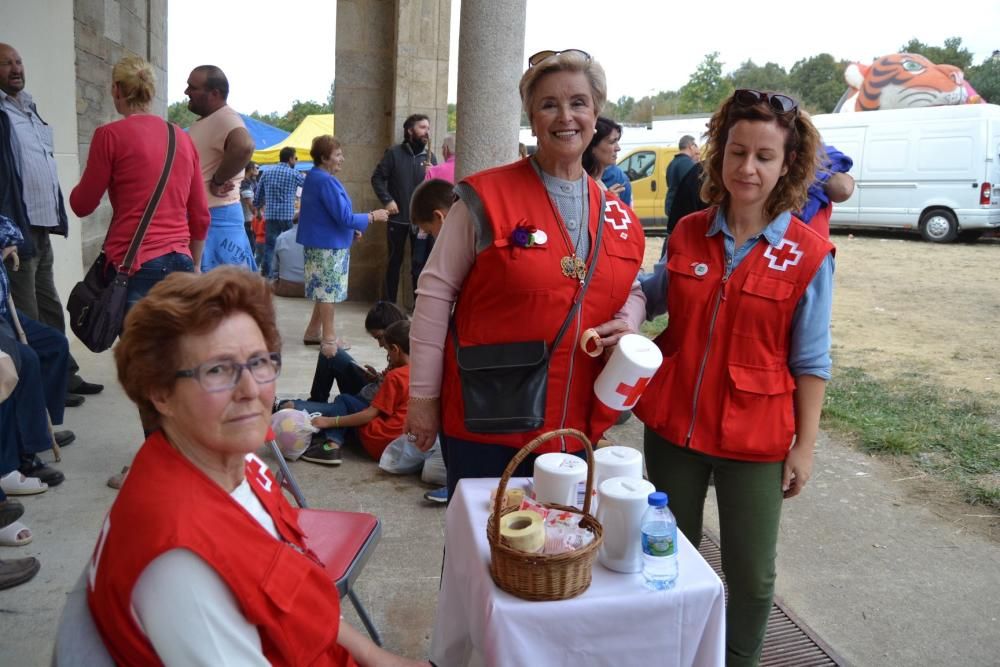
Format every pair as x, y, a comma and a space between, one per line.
903, 80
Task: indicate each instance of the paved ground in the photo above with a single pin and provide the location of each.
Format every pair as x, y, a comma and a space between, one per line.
881, 577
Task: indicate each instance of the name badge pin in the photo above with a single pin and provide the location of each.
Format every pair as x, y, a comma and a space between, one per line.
700, 269
540, 237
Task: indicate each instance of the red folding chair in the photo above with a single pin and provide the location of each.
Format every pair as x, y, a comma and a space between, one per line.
343, 541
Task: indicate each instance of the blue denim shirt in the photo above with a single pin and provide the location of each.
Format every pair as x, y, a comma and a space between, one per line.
9, 235
809, 348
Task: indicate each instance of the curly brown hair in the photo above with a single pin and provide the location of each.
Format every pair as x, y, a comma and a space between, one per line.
149, 353
802, 155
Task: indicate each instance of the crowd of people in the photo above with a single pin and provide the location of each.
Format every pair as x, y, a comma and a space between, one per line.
746, 282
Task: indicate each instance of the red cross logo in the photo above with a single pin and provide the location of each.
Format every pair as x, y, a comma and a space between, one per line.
616, 215
786, 254
632, 393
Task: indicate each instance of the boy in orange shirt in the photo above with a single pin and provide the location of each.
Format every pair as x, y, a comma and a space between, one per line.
350, 418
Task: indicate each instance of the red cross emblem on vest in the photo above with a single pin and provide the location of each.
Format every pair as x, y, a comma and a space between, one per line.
633, 392
783, 255
616, 215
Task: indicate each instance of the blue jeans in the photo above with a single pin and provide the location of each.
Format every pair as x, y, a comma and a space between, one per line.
272, 228
340, 368
153, 271
343, 405
41, 367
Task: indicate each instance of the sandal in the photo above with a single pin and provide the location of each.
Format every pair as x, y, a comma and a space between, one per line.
15, 534
311, 340
10, 511
16, 484
116, 480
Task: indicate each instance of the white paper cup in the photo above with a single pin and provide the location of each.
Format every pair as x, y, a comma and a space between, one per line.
628, 371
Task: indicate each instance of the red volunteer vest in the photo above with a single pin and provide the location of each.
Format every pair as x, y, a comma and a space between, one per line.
515, 294
167, 504
724, 388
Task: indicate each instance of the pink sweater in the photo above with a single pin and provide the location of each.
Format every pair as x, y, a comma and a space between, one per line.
126, 160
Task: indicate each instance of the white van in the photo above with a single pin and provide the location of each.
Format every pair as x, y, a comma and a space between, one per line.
935, 169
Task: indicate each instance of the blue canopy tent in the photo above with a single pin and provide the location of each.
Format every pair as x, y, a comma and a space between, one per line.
264, 135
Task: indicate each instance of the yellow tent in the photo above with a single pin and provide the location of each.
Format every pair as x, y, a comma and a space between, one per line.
300, 139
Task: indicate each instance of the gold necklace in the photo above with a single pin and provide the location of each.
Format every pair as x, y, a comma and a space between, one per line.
572, 266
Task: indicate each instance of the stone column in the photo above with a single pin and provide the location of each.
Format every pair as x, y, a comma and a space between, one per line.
490, 64
392, 61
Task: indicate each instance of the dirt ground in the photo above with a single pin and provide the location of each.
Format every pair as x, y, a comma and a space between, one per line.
901, 304
904, 305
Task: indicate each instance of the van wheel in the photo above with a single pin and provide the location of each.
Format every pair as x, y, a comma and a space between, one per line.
970, 235
939, 226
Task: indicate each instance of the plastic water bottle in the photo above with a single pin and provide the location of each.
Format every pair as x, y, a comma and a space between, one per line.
659, 544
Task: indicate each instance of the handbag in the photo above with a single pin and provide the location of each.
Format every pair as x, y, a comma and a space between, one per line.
505, 385
97, 304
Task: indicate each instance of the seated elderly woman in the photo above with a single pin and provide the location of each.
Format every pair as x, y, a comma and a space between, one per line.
201, 560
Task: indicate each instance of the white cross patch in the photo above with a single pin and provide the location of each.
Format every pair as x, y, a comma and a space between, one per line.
616, 215
782, 256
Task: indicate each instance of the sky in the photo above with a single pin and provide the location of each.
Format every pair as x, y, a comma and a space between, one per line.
275, 53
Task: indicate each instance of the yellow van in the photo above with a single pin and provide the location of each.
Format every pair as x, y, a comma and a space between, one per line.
646, 168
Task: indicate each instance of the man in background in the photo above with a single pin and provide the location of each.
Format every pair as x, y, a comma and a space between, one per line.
446, 170
679, 167
395, 178
224, 148
30, 196
276, 193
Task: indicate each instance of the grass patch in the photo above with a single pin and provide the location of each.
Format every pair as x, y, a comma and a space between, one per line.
955, 434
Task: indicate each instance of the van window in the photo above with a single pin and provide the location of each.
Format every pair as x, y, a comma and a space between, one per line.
639, 165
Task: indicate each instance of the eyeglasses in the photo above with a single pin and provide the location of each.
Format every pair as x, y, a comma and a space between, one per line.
221, 375
542, 56
778, 103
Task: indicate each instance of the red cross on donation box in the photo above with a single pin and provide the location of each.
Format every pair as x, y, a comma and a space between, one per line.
633, 392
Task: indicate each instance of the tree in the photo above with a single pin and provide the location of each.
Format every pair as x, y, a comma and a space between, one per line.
329, 97
453, 117
818, 82
985, 78
952, 53
707, 88
179, 113
769, 77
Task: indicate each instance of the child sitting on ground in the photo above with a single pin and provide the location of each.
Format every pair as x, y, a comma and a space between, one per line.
353, 418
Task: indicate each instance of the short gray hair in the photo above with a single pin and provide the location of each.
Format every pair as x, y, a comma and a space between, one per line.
686, 142
567, 61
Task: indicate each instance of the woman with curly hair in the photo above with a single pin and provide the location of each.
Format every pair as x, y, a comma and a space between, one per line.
747, 351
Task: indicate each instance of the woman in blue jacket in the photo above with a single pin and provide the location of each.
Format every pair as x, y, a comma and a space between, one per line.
327, 227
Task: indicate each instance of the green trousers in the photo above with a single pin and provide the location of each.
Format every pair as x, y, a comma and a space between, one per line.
749, 497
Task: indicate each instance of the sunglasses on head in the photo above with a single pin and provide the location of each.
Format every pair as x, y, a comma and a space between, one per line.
542, 56
778, 103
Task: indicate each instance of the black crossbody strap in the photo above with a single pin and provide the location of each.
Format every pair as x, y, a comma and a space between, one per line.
154, 201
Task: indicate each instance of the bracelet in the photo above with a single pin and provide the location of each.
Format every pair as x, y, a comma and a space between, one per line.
336, 422
371, 217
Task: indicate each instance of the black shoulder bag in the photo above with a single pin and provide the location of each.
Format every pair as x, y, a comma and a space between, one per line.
504, 385
97, 304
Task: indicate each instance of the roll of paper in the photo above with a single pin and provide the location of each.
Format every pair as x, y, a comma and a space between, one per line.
523, 530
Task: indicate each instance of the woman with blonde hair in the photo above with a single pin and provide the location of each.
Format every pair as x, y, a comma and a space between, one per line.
126, 160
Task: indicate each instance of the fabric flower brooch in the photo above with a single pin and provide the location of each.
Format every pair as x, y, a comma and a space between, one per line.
525, 236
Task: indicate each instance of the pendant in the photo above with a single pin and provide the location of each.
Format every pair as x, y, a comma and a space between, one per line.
573, 267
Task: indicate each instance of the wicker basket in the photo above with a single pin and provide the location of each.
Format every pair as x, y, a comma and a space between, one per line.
542, 576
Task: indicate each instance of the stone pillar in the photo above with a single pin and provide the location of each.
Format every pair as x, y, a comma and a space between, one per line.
392, 61
490, 64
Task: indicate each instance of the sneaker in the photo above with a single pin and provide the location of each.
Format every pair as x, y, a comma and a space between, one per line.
326, 453
439, 496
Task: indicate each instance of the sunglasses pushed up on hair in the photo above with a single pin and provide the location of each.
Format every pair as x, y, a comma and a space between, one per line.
777, 102
541, 56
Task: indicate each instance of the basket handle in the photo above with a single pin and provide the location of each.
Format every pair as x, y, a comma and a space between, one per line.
523, 454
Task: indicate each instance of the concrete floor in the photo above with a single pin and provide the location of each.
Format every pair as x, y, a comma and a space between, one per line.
884, 579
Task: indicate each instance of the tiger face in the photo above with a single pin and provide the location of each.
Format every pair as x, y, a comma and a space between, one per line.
903, 80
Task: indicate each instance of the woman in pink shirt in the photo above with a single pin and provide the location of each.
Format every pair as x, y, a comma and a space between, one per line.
126, 159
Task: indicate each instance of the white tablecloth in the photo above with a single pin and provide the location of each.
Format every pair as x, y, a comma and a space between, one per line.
617, 621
